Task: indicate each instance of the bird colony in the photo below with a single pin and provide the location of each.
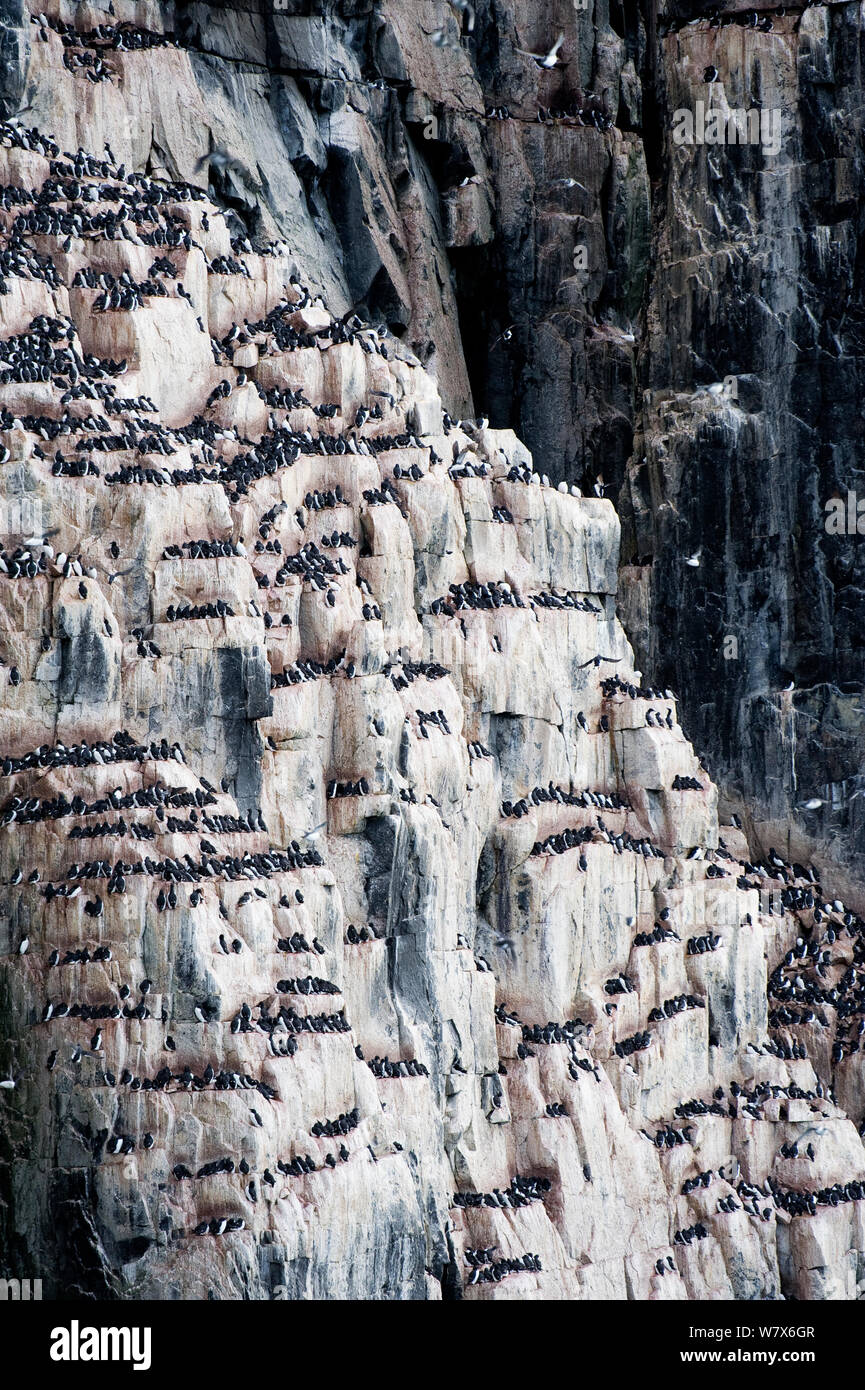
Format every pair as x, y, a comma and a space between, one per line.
368, 928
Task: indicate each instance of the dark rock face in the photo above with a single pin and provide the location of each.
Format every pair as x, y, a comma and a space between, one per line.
757, 277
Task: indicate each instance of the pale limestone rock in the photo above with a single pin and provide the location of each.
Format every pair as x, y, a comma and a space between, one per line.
463, 908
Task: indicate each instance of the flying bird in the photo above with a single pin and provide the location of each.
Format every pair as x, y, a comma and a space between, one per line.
546, 60
568, 183
119, 573
467, 11
220, 159
19, 113
441, 38
504, 337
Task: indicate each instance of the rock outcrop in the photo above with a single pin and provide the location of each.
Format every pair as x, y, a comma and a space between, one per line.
369, 929
756, 284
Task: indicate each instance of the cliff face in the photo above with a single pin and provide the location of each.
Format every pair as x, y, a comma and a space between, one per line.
757, 281
384, 941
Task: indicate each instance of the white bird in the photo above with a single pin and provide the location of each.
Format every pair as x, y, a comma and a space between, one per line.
441, 38
8, 1083
813, 804
505, 337
694, 560
465, 8
545, 60
568, 183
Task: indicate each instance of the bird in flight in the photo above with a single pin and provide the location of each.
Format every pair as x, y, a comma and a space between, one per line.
118, 574
467, 12
220, 159
504, 337
21, 112
568, 183
441, 38
546, 60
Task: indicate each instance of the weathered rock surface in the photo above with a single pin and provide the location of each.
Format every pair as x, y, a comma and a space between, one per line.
383, 915
756, 282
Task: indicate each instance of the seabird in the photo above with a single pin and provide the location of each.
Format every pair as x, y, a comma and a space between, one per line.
546, 60
568, 183
219, 159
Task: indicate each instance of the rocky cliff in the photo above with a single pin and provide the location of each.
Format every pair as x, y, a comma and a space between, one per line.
369, 927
